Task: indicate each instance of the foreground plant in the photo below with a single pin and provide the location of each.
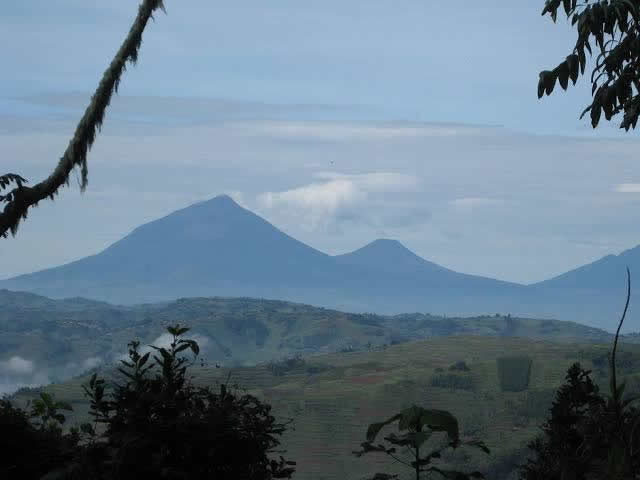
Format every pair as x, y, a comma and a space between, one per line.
613, 28
420, 424
589, 436
153, 424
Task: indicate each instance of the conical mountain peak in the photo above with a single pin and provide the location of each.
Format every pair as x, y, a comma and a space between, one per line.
388, 255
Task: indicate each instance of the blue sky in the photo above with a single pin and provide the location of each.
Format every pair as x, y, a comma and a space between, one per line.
340, 122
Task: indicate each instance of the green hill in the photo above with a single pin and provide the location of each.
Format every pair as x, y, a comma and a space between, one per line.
53, 340
333, 397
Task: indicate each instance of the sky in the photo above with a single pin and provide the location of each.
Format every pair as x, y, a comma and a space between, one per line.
339, 122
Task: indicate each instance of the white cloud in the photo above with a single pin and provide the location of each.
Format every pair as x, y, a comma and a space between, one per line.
375, 182
91, 362
339, 197
17, 366
627, 188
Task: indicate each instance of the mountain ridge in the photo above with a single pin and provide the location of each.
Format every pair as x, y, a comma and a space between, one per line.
218, 248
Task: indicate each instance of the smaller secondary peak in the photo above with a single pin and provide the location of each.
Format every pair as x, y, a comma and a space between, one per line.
385, 245
383, 249
386, 242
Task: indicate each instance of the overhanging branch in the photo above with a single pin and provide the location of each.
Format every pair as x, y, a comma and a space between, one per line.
21, 198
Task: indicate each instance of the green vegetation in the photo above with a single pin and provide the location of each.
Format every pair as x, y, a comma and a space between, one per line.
614, 27
514, 373
153, 424
331, 409
420, 425
451, 380
74, 335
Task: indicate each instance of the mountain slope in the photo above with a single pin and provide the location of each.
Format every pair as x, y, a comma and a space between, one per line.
210, 247
608, 272
217, 248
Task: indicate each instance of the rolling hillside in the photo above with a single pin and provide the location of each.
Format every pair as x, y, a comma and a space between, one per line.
52, 340
332, 398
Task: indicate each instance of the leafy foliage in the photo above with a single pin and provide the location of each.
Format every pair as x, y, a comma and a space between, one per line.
20, 199
154, 424
31, 448
589, 435
420, 425
184, 431
613, 26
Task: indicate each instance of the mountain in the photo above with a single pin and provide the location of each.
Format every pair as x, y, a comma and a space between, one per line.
390, 256
217, 248
213, 247
607, 273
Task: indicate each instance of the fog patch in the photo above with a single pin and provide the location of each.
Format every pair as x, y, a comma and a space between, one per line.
16, 366
164, 341
18, 372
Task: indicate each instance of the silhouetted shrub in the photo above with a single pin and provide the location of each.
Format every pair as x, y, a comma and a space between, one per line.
556, 451
514, 373
589, 435
157, 424
32, 443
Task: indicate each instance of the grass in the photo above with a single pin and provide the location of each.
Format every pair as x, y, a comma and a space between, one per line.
332, 409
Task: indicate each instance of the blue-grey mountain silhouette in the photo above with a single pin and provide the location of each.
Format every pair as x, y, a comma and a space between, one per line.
217, 248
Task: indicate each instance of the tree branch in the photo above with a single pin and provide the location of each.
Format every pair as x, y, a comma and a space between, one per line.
21, 198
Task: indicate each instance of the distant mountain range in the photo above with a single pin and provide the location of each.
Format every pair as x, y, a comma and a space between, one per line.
217, 248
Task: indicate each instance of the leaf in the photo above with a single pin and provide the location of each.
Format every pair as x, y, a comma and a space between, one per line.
375, 428
143, 359
567, 6
596, 111
563, 75
442, 421
182, 347
192, 344
549, 81
541, 85
478, 444
573, 64
582, 59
